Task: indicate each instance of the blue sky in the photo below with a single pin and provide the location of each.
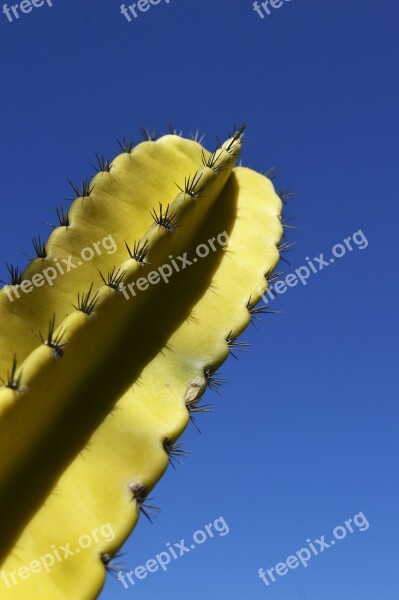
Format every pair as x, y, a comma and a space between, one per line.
305, 436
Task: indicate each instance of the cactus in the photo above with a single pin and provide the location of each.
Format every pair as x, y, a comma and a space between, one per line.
104, 366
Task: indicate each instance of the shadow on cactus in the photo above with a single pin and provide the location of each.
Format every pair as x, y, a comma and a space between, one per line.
104, 363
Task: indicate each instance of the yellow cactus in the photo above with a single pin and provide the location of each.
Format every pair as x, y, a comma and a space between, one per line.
105, 364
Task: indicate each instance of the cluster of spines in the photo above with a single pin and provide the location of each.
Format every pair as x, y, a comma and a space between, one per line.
285, 220
62, 217
149, 136
213, 161
126, 145
194, 407
273, 276
255, 310
213, 381
139, 252
283, 248
84, 190
236, 139
140, 495
175, 451
236, 346
165, 219
87, 302
53, 340
110, 562
114, 278
14, 380
192, 186
285, 195
104, 165
15, 275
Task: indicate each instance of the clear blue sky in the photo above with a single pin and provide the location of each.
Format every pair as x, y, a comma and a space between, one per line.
306, 433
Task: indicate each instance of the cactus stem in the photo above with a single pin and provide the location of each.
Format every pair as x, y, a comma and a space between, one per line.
86, 303
175, 451
139, 252
140, 494
165, 219
114, 278
54, 341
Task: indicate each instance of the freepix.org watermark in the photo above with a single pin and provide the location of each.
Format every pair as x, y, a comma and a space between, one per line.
133, 11
313, 266
266, 7
61, 267
15, 11
57, 554
176, 264
173, 552
313, 548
